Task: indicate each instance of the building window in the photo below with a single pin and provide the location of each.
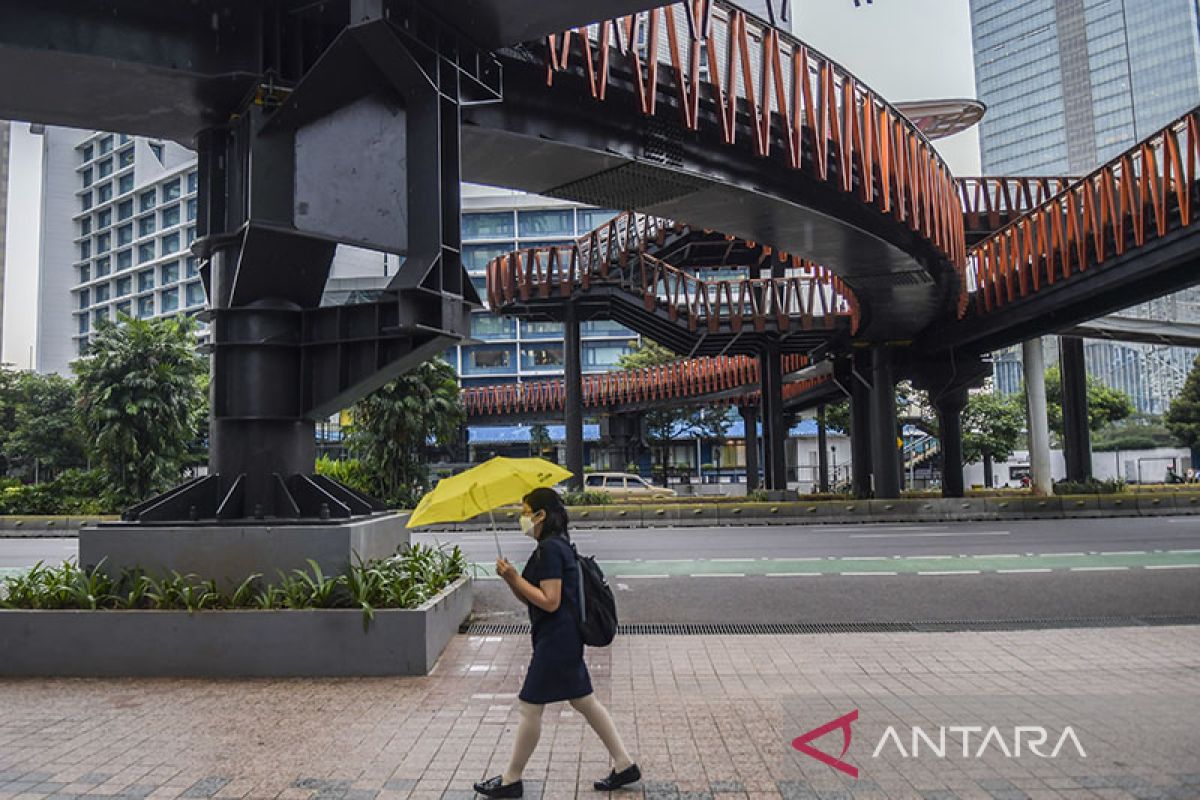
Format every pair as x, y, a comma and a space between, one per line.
592, 218
170, 216
147, 200
102, 266
124, 235
88, 153
102, 292
106, 145
489, 326
191, 209
170, 299
85, 201
123, 307
146, 225
477, 256
124, 259
87, 177
603, 354
126, 158
85, 249
145, 252
104, 218
542, 356
488, 359
85, 273
104, 193
83, 323
85, 226
124, 210
547, 222
170, 272
125, 185
145, 280
171, 191
193, 269
192, 181
157, 149
103, 243
123, 139
104, 168
83, 346
85, 298
494, 225
191, 235
99, 315
124, 286
541, 330
146, 306
195, 293
170, 244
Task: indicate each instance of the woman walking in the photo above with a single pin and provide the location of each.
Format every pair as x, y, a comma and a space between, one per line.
549, 585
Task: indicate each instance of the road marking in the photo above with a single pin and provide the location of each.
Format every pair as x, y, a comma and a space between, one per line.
948, 533
1032, 569
1173, 566
623, 587
999, 555
641, 576
859, 558
931, 558
616, 561
743, 560
1064, 554
1097, 569
1183, 551
859, 574
1122, 552
793, 574
951, 572
718, 575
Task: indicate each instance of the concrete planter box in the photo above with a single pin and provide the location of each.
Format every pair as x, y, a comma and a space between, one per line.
210, 644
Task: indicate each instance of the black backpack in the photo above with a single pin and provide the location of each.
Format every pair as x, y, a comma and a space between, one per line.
598, 606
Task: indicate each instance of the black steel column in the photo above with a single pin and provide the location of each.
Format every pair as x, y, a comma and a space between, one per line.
774, 429
860, 425
949, 409
573, 380
1077, 437
884, 458
750, 421
822, 452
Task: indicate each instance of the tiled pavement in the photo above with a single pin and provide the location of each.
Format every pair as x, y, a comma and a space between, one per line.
706, 717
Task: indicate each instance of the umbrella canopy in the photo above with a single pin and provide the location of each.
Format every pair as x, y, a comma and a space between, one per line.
496, 482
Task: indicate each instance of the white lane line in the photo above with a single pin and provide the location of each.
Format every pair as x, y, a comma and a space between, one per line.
616, 561
948, 533
1063, 554
860, 574
931, 558
1173, 566
625, 577
997, 555
793, 574
718, 575
1183, 551
859, 558
622, 587
743, 560
1027, 569
1122, 552
1098, 569
951, 572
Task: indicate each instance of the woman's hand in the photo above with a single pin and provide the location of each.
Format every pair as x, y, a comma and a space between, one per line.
505, 569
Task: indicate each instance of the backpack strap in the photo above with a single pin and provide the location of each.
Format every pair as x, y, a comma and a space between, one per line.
581, 593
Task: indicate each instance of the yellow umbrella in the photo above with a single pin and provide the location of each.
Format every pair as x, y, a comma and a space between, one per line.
499, 481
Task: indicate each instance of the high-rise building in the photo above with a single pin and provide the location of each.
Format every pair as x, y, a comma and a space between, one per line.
4, 138
1069, 84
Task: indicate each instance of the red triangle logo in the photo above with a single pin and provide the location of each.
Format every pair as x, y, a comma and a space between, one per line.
801, 743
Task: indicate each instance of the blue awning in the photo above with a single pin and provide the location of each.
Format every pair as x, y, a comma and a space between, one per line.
519, 434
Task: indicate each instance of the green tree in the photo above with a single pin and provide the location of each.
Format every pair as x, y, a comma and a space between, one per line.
391, 429
1105, 405
837, 417
661, 424
1183, 417
710, 424
1139, 432
992, 425
44, 436
539, 440
139, 400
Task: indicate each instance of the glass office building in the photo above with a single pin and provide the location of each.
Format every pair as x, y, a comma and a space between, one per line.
1069, 84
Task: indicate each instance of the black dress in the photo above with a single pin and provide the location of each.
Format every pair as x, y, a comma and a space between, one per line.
557, 671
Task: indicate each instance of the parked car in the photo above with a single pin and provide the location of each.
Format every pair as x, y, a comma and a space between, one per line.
624, 486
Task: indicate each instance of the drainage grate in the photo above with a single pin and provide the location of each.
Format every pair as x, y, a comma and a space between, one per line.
793, 628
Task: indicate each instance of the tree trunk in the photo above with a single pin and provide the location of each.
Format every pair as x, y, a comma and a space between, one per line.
988, 481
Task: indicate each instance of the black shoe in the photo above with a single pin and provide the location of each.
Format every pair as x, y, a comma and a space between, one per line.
616, 780
495, 787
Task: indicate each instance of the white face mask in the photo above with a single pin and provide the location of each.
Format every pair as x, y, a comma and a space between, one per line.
527, 526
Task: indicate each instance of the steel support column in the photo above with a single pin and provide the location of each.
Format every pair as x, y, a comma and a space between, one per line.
573, 382
860, 425
1077, 438
750, 421
1039, 428
949, 407
883, 424
822, 452
774, 429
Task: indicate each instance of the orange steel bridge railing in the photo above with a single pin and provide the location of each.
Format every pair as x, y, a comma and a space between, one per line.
614, 254
689, 379
990, 202
1139, 196
830, 124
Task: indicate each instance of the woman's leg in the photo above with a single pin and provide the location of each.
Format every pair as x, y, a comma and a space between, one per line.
598, 717
529, 730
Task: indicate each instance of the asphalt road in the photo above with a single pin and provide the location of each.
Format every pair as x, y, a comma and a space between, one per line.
962, 571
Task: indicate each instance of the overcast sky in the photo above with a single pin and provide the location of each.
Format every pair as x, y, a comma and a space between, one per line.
903, 49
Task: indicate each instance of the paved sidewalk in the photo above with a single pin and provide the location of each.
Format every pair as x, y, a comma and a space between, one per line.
706, 717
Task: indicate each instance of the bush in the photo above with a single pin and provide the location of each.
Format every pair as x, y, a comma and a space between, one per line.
757, 496
405, 580
347, 471
75, 491
586, 498
632, 468
1090, 486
